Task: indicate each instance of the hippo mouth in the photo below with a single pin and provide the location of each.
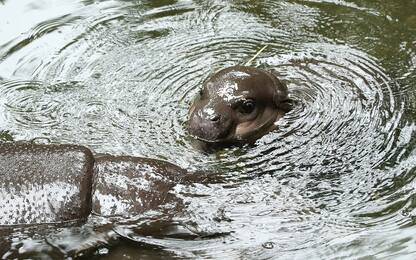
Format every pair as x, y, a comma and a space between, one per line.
213, 141
225, 137
231, 137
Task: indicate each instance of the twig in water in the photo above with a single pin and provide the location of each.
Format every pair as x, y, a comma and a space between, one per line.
255, 56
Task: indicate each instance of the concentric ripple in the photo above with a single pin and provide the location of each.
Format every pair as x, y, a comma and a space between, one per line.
335, 180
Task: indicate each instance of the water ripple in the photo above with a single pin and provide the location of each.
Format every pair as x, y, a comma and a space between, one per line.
119, 76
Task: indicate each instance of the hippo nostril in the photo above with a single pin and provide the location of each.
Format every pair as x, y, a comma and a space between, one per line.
215, 118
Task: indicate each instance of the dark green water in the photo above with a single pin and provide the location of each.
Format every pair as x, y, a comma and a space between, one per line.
336, 180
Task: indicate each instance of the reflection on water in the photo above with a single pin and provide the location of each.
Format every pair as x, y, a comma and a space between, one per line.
337, 179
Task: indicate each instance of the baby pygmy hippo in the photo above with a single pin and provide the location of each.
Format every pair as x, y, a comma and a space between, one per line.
238, 105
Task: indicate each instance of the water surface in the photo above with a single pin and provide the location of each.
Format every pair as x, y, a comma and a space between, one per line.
337, 179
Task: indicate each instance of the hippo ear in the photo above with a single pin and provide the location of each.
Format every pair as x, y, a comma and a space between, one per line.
280, 96
286, 105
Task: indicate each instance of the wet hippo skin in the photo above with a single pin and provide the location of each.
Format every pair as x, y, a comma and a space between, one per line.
57, 183
127, 186
238, 104
44, 184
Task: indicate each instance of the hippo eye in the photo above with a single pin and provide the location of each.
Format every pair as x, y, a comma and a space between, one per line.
247, 106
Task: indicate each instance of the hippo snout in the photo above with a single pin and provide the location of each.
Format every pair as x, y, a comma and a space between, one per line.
209, 125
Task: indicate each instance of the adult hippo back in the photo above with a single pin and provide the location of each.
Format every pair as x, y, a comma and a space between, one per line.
238, 104
44, 184
58, 183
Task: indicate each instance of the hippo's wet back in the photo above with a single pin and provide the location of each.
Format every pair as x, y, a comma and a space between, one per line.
58, 183
44, 184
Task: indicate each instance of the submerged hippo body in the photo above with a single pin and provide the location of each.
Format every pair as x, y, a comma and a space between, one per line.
127, 186
58, 183
238, 104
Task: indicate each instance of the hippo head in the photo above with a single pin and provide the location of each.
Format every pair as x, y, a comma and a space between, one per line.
237, 105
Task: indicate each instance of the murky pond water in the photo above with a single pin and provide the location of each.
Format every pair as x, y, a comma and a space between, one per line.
337, 179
